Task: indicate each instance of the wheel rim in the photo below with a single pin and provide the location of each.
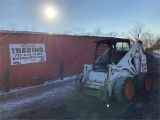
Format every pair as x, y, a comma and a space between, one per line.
148, 83
129, 90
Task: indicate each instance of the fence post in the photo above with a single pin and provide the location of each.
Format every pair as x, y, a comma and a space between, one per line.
61, 72
7, 80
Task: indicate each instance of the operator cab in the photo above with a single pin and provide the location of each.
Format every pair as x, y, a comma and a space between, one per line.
109, 51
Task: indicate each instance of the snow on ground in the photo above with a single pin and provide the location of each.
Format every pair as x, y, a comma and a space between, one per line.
11, 105
46, 83
59, 80
31, 100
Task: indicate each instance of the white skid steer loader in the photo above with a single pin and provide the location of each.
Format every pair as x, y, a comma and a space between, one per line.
118, 71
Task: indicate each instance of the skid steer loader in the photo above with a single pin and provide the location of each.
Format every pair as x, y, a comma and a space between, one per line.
118, 71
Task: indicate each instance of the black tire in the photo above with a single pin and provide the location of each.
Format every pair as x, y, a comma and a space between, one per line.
124, 89
144, 83
79, 84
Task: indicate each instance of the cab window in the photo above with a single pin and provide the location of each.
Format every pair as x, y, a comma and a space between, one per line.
122, 46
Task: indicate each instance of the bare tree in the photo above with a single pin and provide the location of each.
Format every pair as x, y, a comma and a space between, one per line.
111, 34
26, 28
148, 39
156, 45
12, 26
33, 28
137, 30
75, 31
98, 31
82, 31
89, 34
125, 35
67, 32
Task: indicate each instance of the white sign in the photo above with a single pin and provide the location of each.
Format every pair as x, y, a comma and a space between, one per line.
27, 53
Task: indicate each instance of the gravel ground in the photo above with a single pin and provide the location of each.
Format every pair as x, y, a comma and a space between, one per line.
62, 102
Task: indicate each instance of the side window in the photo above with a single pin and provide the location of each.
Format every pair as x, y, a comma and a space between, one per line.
122, 46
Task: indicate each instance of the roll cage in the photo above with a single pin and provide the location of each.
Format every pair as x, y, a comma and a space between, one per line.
111, 50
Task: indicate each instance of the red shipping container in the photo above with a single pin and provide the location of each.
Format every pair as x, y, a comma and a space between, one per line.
67, 51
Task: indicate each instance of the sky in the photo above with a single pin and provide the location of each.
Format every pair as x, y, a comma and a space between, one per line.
110, 15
